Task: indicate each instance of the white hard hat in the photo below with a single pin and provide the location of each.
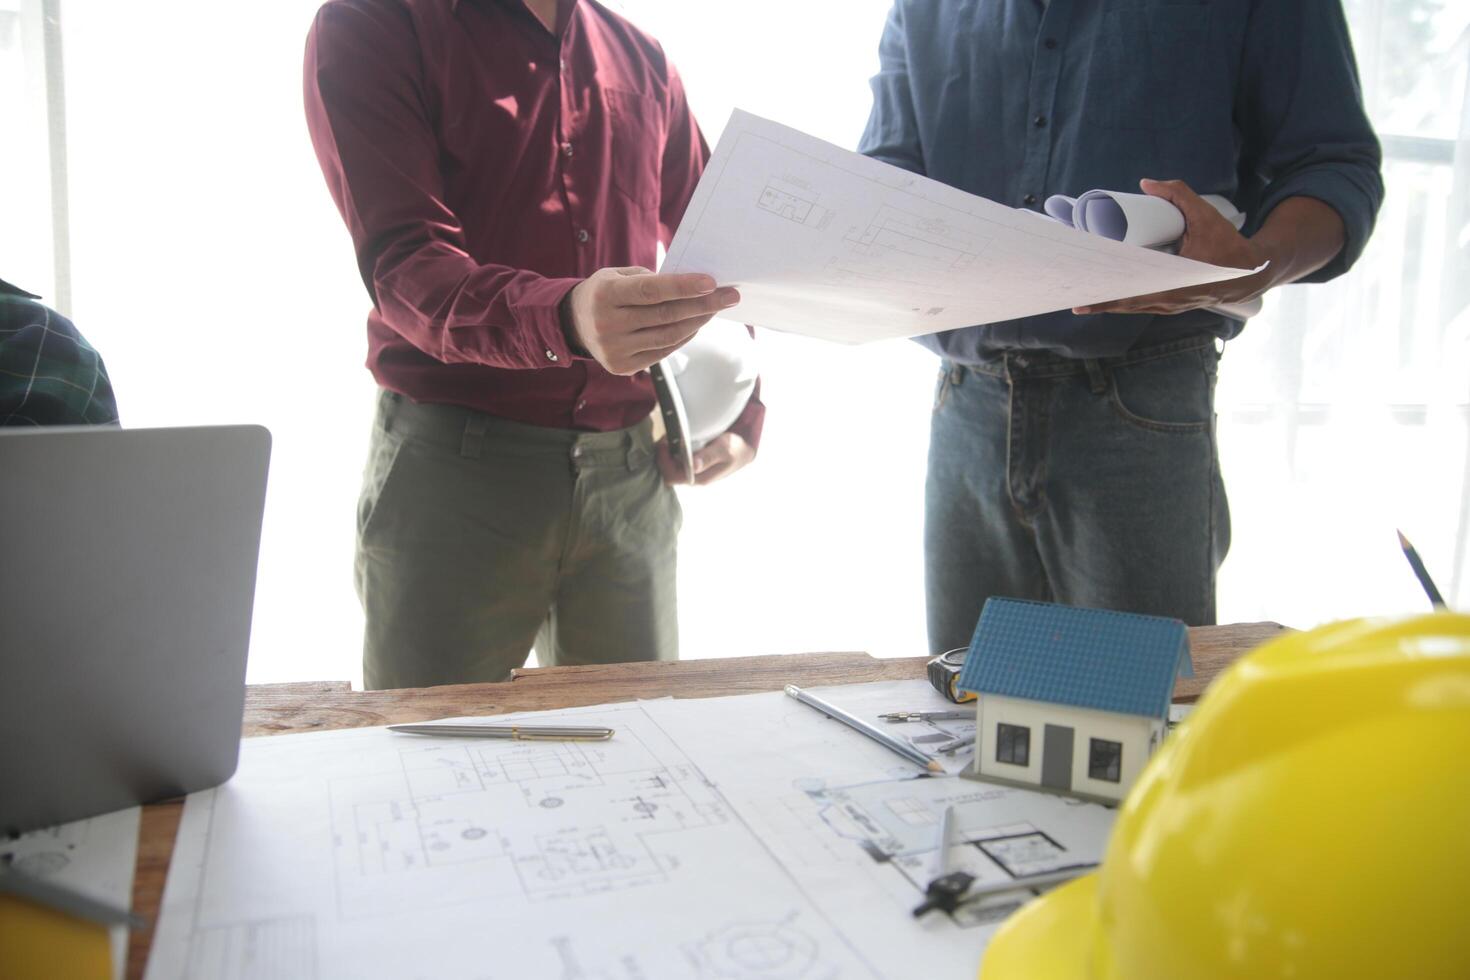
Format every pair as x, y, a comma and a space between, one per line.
716, 375
705, 385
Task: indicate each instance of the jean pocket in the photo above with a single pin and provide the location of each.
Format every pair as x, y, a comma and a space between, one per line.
1173, 393
1153, 63
949, 376
385, 461
636, 135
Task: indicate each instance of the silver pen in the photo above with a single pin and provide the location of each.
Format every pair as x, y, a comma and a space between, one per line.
518, 733
895, 717
857, 724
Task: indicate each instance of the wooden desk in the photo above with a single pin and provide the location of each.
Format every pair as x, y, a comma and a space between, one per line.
278, 709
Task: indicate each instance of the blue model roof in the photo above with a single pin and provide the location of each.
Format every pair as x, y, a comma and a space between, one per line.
1091, 658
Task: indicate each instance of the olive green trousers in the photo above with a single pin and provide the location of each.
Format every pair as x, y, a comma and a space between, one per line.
478, 538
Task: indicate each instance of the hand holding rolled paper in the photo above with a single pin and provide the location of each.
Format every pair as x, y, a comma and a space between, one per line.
1169, 216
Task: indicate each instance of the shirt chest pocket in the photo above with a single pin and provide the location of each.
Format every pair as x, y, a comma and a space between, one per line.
1152, 66
635, 153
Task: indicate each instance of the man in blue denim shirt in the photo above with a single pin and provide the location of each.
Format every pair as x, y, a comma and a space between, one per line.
1072, 455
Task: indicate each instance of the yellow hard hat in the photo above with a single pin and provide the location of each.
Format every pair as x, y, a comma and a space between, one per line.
1311, 819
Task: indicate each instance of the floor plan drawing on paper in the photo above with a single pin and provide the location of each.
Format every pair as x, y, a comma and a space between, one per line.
825, 242
860, 833
795, 851
895, 823
772, 949
793, 204
753, 948
900, 249
260, 949
933, 242
370, 854
441, 831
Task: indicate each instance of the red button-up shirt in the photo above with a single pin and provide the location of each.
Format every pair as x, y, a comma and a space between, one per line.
484, 165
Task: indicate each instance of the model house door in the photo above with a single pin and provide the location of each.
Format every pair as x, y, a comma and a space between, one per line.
1056, 758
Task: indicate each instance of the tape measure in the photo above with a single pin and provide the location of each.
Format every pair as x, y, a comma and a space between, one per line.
944, 674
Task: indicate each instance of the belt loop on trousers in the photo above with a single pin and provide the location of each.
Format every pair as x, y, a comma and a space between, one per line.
1095, 375
474, 436
388, 409
633, 454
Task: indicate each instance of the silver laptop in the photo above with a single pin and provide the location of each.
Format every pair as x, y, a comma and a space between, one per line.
127, 578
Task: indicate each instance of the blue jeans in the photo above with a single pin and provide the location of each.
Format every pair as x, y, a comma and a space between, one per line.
1092, 483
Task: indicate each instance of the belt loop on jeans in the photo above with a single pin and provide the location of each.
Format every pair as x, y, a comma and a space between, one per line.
950, 375
474, 436
1095, 375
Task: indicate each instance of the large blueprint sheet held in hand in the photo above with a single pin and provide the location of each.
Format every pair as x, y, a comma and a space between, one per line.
736, 838
829, 243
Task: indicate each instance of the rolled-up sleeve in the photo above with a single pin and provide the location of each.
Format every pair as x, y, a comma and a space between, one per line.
366, 112
1305, 133
892, 133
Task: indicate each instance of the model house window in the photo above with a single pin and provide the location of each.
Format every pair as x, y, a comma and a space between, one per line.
1105, 760
1013, 744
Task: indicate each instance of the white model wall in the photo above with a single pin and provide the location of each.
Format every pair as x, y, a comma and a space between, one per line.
1132, 731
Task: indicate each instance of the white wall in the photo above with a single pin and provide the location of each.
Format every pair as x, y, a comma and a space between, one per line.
214, 274
25, 201
1132, 731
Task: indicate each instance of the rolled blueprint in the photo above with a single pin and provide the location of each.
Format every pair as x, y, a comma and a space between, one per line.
1142, 220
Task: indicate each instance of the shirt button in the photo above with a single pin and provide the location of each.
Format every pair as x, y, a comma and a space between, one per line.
1028, 199
566, 149
563, 64
581, 404
550, 354
1051, 43
1039, 121
583, 235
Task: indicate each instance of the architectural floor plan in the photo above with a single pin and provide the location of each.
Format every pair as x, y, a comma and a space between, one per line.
669, 851
826, 242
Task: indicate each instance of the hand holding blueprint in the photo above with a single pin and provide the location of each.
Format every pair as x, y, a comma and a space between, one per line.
1145, 221
1134, 219
825, 242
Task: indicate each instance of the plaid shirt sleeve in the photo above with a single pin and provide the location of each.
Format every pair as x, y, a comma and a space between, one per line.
49, 374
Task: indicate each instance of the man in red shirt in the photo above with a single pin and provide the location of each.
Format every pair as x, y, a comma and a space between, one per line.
506, 169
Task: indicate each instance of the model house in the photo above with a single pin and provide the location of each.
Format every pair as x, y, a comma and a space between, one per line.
1070, 700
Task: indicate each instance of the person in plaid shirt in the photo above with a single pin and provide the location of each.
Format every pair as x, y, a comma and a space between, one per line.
49, 374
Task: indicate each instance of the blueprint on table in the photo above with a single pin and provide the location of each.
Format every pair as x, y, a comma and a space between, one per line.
739, 838
826, 242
